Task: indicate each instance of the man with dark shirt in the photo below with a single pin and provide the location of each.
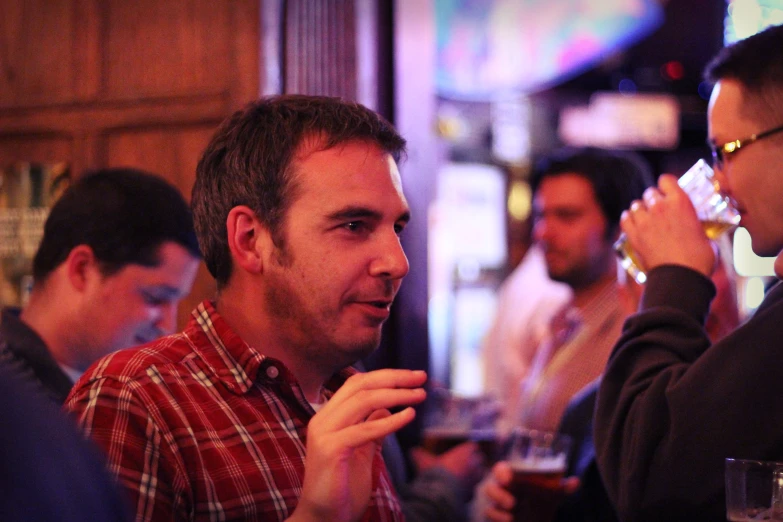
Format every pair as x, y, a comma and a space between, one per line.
672, 405
118, 253
47, 470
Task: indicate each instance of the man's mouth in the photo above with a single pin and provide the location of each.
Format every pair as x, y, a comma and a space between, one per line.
376, 308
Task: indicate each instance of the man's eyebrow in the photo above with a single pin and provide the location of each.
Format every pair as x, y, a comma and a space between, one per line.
363, 212
164, 291
354, 213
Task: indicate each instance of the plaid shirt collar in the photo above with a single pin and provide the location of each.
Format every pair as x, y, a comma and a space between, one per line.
235, 363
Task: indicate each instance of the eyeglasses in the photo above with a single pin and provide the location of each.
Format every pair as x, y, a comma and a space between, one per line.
721, 152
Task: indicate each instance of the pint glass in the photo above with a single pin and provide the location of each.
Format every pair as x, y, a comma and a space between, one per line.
538, 462
715, 211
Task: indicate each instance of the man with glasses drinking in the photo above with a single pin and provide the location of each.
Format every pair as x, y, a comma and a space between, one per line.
672, 405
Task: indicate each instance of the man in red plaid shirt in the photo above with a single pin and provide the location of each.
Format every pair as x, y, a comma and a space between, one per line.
250, 413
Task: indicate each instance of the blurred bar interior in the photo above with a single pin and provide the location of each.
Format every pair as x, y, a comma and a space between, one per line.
479, 88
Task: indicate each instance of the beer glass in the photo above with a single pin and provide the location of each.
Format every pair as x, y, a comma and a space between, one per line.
754, 490
715, 211
451, 420
538, 462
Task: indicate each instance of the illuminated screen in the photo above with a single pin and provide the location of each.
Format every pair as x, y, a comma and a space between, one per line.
748, 17
485, 47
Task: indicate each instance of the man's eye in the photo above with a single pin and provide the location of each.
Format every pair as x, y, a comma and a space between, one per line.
355, 226
153, 300
399, 229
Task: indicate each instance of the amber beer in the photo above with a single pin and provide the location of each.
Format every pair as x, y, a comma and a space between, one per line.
536, 485
630, 261
439, 440
715, 211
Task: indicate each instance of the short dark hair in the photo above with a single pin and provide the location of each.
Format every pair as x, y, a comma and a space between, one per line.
124, 215
617, 177
757, 63
249, 162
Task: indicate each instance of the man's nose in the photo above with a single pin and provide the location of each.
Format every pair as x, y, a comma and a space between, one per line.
721, 179
541, 230
167, 321
391, 263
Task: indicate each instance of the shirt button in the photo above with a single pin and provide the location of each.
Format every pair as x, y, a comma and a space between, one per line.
272, 372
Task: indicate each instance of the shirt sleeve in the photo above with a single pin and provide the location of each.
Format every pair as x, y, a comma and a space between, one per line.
672, 407
138, 454
644, 395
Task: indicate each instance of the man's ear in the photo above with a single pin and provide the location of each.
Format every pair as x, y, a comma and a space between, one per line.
80, 265
248, 239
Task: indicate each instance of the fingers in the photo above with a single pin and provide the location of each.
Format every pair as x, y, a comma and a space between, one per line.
494, 514
364, 393
377, 426
363, 403
499, 495
358, 412
502, 473
376, 380
667, 185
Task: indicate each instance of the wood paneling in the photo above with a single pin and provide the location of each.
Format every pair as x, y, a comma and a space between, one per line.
101, 83
144, 83
172, 151
37, 148
161, 49
38, 52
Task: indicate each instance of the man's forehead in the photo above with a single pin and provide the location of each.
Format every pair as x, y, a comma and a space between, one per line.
566, 189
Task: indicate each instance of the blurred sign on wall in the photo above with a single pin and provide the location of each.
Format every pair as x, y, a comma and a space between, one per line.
623, 121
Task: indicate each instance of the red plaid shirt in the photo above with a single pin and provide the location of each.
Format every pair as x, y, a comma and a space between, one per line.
201, 426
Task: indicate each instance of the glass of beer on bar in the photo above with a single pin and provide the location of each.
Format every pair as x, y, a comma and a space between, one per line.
716, 213
538, 461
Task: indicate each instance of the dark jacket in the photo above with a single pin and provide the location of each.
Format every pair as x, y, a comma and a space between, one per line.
672, 407
48, 471
23, 352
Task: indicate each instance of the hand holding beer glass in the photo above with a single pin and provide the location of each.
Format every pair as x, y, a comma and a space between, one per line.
538, 462
715, 211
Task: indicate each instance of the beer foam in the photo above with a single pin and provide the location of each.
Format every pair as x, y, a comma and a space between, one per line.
540, 464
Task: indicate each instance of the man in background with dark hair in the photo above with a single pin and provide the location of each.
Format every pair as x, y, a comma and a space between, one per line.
578, 196
118, 253
673, 405
253, 411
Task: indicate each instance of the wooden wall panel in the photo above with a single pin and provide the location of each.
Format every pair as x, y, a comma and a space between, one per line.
36, 148
38, 52
104, 83
155, 49
172, 152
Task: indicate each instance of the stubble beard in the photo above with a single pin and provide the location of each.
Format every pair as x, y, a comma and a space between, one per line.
312, 330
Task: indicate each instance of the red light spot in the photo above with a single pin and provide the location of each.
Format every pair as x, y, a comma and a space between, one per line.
673, 70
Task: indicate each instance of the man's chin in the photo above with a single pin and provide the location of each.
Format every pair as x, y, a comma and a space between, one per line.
358, 349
